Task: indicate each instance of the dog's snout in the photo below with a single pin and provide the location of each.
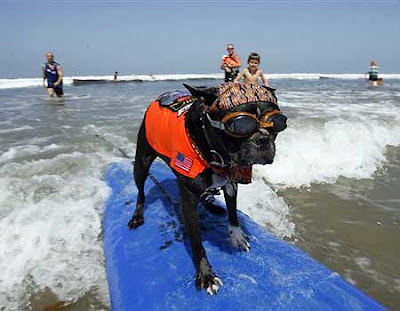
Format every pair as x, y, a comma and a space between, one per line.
265, 140
264, 132
263, 137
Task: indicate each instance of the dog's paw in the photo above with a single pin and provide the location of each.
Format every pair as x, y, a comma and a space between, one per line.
136, 221
209, 281
238, 238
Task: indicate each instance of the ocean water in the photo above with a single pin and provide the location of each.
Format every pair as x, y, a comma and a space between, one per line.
333, 189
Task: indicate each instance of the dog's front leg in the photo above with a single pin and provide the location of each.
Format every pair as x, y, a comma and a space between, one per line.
205, 277
238, 238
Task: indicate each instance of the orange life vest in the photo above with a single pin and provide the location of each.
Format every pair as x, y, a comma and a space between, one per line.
230, 61
166, 133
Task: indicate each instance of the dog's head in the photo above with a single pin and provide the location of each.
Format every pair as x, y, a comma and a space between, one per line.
241, 122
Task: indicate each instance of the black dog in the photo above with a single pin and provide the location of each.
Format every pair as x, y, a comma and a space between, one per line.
230, 127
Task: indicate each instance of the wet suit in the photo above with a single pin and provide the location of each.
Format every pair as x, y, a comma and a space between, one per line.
52, 77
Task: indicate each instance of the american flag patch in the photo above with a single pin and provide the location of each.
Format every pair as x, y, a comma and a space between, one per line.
183, 162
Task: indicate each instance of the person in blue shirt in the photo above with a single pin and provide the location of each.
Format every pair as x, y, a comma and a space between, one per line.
52, 76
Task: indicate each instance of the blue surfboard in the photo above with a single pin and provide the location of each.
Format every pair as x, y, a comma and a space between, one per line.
151, 268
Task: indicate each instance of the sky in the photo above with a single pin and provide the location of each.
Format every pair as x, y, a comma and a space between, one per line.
97, 37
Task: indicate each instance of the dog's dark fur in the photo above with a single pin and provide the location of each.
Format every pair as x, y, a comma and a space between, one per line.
256, 149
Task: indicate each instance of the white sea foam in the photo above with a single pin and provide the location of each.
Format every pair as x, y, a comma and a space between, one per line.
50, 224
321, 152
35, 82
316, 76
16, 129
23, 151
19, 83
265, 207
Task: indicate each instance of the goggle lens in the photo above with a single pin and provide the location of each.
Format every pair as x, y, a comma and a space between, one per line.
241, 126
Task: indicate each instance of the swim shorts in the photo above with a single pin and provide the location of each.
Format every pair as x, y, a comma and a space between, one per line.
230, 76
57, 89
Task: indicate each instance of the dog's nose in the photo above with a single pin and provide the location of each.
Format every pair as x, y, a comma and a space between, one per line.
264, 137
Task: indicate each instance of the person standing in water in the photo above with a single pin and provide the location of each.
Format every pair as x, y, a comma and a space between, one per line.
252, 73
115, 76
373, 71
231, 64
53, 73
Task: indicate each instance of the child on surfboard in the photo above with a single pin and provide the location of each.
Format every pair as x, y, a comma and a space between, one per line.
252, 73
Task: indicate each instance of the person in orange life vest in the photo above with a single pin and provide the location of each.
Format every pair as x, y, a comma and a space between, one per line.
231, 64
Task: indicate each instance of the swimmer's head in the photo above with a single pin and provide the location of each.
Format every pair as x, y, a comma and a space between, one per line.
50, 57
254, 56
253, 60
230, 48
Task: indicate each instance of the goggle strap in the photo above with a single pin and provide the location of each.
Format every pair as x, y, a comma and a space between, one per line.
270, 114
217, 124
220, 164
266, 124
214, 154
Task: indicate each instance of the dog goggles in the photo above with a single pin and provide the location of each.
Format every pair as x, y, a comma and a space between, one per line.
244, 124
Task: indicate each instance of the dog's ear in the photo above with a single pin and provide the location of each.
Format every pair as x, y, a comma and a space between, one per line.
207, 94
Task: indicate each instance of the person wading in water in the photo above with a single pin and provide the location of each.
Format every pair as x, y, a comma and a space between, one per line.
231, 64
53, 73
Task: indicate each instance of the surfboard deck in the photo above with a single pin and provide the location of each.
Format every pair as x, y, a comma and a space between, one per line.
151, 268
